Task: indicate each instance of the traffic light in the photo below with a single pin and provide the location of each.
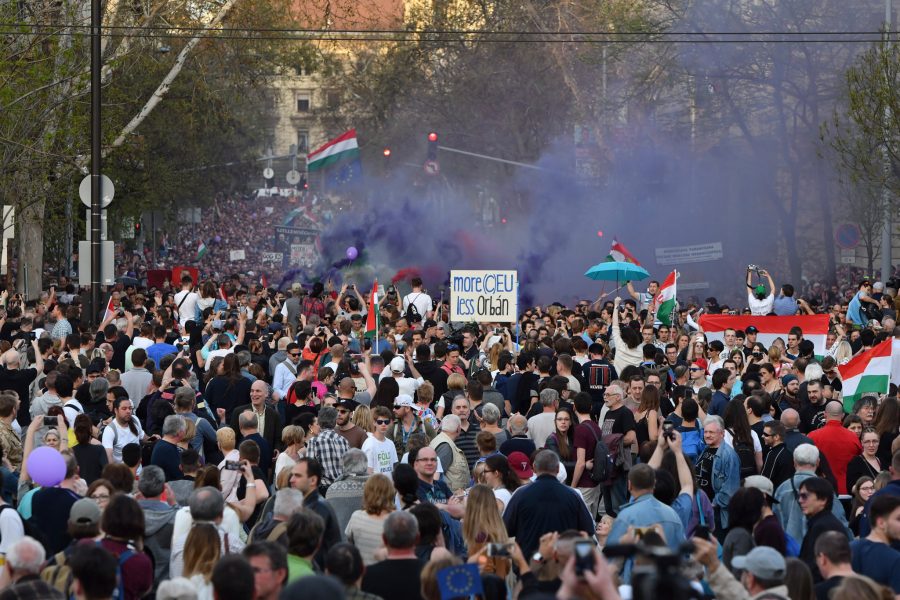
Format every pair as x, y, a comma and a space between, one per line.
432, 146
303, 185
387, 152
137, 228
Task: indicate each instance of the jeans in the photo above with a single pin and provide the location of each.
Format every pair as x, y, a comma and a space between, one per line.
615, 495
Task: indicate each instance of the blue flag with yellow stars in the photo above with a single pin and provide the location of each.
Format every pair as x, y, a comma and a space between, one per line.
460, 581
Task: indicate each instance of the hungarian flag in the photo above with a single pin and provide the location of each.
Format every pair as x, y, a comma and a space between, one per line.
373, 319
222, 293
202, 250
110, 307
340, 149
867, 373
619, 253
665, 300
815, 327
263, 280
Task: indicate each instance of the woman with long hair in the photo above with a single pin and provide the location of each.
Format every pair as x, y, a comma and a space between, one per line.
799, 580
887, 425
89, 452
647, 416
406, 482
738, 434
100, 491
366, 526
861, 490
385, 393
628, 342
482, 525
866, 464
228, 390
500, 478
122, 524
744, 512
362, 418
865, 408
860, 587
562, 441
202, 551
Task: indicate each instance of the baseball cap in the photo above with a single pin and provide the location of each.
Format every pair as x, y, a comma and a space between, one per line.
520, 465
398, 365
763, 562
84, 512
404, 400
751, 329
429, 323
787, 379
348, 403
763, 484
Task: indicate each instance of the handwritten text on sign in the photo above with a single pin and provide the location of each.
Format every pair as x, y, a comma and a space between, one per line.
483, 296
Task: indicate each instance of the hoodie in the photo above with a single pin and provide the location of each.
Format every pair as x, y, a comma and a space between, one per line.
159, 523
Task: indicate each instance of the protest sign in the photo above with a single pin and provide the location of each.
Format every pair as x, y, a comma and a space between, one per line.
237, 255
484, 296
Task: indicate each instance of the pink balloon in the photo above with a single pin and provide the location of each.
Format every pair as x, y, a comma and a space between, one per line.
46, 466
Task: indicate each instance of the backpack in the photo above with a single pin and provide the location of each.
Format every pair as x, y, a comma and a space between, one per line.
58, 574
604, 460
692, 443
746, 455
412, 313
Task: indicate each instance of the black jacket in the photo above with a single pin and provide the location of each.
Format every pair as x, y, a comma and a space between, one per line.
779, 465
816, 526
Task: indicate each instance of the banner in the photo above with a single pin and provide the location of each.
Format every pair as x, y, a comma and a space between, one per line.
679, 255
237, 255
273, 257
815, 327
484, 296
297, 245
179, 270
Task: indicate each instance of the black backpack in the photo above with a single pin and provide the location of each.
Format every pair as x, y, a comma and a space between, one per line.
746, 455
412, 314
604, 460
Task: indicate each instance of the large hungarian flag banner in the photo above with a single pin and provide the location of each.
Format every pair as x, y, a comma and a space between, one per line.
815, 327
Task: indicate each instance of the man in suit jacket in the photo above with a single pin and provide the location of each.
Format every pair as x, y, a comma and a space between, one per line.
270, 424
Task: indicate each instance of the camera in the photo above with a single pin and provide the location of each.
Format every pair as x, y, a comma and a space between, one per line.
350, 286
232, 465
50, 422
668, 430
584, 556
498, 549
752, 267
660, 576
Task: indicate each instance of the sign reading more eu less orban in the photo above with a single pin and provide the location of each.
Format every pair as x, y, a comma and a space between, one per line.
484, 296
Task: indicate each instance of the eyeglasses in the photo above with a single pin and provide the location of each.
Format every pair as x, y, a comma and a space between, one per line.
100, 497
295, 354
383, 421
767, 435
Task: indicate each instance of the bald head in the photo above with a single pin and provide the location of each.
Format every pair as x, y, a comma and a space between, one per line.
517, 425
834, 411
11, 359
790, 418
346, 388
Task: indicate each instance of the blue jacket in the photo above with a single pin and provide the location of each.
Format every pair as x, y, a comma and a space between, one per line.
726, 479
788, 508
644, 512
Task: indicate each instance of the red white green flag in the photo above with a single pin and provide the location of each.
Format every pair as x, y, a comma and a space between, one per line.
373, 319
341, 148
665, 300
619, 253
867, 373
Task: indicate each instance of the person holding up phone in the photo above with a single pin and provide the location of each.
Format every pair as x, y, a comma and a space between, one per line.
645, 510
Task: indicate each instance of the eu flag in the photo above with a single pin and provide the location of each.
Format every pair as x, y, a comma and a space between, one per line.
460, 581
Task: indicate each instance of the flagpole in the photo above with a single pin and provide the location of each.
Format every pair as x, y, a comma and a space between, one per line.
516, 324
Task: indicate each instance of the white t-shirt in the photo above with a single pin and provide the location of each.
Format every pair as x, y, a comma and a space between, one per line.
11, 529
504, 496
382, 455
757, 447
214, 353
423, 303
125, 436
760, 307
188, 310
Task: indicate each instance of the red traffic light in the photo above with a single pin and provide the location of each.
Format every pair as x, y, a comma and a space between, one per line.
432, 137
387, 152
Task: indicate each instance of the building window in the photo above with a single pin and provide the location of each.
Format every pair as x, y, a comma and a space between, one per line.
333, 99
303, 102
302, 141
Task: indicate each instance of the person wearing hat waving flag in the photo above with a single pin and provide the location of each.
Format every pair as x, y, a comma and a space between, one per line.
758, 300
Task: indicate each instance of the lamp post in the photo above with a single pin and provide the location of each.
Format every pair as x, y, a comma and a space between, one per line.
96, 242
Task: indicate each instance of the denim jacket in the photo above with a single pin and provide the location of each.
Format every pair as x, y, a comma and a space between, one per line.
726, 479
788, 508
646, 511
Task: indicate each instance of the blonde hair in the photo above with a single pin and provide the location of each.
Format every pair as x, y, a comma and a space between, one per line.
190, 431
362, 418
226, 439
293, 434
456, 382
425, 393
860, 587
482, 523
378, 495
201, 550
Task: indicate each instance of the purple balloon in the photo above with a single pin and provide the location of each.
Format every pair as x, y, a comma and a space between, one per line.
218, 238
46, 466
352, 253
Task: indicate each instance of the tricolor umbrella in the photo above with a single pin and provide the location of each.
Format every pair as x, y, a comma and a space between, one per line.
616, 271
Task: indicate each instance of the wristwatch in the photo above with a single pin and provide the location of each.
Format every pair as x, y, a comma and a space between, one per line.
536, 557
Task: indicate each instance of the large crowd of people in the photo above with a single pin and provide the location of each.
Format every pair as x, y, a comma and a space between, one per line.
237, 442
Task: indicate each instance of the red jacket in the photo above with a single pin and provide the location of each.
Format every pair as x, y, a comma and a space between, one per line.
839, 445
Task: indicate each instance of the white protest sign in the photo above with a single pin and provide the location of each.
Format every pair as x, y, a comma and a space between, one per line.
272, 257
484, 296
237, 255
679, 255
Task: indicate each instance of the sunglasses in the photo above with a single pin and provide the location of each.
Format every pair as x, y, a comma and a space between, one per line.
398, 406
383, 421
295, 354
452, 347
697, 369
